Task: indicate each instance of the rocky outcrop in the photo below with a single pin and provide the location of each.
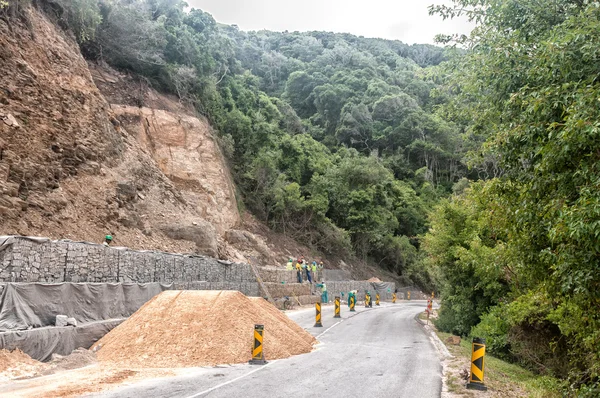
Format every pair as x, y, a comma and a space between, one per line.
202, 233
185, 151
70, 169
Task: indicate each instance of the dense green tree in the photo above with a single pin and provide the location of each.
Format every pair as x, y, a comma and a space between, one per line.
528, 83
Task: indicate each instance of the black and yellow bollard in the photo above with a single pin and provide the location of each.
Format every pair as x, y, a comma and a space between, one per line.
367, 299
352, 304
258, 358
432, 295
337, 307
318, 323
477, 365
377, 299
394, 298
408, 295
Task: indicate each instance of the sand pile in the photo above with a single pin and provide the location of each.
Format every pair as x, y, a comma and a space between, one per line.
200, 328
16, 364
374, 279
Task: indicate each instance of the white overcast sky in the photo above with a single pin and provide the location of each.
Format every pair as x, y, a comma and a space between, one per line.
405, 20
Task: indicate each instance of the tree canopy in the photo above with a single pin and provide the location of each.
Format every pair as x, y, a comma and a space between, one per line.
528, 85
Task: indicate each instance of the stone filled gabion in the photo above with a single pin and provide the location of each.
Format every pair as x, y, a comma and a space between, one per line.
28, 260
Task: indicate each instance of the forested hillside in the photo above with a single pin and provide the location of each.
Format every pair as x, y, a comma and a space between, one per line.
333, 139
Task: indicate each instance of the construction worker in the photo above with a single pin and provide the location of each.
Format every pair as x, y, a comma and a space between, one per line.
290, 265
299, 271
314, 270
352, 293
320, 268
107, 240
304, 267
324, 298
308, 273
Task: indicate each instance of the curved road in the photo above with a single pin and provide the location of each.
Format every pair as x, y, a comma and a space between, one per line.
379, 352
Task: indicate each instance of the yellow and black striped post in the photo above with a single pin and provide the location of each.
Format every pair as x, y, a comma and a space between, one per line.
352, 303
377, 299
318, 323
394, 298
258, 358
432, 295
337, 307
367, 299
477, 365
408, 295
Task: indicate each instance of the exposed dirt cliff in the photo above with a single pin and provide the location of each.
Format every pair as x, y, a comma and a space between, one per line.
73, 167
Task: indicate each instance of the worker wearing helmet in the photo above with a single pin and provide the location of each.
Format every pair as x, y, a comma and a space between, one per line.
352, 293
107, 240
324, 297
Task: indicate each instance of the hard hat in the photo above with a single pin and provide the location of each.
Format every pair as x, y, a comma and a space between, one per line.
108, 237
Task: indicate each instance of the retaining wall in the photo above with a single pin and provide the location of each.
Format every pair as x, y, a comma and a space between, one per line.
25, 259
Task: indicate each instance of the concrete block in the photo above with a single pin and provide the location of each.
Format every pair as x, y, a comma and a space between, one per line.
61, 321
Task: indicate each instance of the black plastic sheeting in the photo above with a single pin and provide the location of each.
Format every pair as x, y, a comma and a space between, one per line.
28, 313
34, 305
41, 343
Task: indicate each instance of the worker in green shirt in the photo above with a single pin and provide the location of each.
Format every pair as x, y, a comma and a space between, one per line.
351, 293
324, 298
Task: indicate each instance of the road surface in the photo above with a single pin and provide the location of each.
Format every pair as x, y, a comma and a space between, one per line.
379, 352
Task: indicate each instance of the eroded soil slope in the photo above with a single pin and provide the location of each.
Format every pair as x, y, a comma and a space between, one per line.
68, 169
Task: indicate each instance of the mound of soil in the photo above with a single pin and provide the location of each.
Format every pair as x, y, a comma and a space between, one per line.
200, 328
16, 364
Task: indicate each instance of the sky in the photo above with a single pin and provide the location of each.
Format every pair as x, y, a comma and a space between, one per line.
405, 20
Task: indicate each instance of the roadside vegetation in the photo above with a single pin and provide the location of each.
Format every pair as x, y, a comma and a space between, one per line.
502, 378
518, 255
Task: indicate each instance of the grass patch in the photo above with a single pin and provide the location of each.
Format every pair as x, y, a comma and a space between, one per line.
503, 379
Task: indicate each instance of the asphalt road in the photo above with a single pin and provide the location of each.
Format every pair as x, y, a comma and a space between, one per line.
379, 352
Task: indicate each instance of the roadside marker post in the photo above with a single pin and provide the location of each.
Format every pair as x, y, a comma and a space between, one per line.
258, 357
352, 304
477, 365
429, 309
394, 298
377, 299
318, 323
367, 299
408, 295
337, 307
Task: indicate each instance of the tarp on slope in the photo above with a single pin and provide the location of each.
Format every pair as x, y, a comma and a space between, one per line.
41, 343
34, 305
384, 287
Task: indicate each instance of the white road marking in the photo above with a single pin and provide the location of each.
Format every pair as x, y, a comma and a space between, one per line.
228, 382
